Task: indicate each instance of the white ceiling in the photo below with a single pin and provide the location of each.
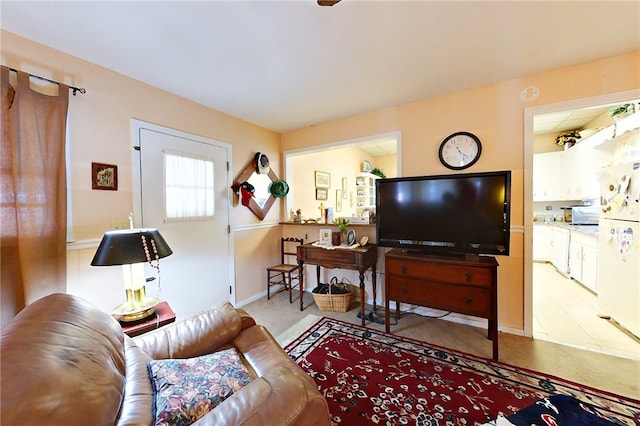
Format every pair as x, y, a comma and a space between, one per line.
290, 64
566, 120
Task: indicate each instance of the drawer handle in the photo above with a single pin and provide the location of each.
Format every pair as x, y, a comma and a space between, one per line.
469, 300
405, 290
404, 269
469, 276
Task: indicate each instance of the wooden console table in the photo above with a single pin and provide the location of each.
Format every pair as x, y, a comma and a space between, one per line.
360, 259
463, 285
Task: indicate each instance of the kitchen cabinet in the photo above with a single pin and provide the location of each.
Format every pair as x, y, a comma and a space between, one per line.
541, 239
583, 259
548, 176
581, 178
365, 191
571, 174
559, 248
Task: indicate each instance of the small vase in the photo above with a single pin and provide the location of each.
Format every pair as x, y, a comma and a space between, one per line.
343, 238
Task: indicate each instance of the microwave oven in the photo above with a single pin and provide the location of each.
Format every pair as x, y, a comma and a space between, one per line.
583, 215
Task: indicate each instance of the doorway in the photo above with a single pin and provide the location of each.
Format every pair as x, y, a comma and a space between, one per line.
182, 189
545, 273
341, 161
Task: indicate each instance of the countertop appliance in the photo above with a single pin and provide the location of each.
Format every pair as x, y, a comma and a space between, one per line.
585, 215
619, 245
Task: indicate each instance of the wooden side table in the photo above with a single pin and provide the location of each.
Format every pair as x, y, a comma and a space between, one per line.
163, 315
359, 259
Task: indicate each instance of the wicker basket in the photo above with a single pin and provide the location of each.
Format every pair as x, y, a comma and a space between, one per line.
333, 302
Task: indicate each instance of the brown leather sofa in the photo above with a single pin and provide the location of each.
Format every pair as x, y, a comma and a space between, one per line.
64, 362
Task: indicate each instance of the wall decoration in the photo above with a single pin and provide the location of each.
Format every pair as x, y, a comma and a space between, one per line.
104, 176
323, 179
345, 187
249, 177
338, 200
322, 194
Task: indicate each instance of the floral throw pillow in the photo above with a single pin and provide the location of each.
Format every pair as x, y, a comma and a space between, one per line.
187, 389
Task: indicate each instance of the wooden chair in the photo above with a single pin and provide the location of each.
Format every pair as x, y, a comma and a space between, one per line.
287, 272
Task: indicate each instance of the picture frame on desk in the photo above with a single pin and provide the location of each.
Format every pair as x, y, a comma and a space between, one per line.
325, 237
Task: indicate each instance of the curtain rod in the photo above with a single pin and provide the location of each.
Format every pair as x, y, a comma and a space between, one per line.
73, 88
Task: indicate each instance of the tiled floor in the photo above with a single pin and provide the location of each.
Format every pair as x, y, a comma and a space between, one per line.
565, 312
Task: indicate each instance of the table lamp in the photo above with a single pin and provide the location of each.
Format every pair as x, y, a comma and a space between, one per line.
131, 248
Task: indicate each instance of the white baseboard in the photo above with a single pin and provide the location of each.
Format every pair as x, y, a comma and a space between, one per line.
253, 298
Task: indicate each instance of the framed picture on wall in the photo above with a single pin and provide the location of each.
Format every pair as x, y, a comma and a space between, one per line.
338, 200
104, 176
323, 179
322, 194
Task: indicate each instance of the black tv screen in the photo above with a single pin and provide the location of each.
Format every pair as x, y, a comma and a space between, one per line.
445, 214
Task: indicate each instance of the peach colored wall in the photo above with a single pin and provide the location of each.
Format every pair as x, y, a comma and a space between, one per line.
99, 130
387, 163
495, 114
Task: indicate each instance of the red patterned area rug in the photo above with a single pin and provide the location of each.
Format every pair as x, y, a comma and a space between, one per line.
369, 377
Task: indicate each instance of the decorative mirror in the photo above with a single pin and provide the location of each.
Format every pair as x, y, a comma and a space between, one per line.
262, 199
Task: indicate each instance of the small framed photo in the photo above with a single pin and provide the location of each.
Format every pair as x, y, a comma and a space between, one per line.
323, 179
338, 200
325, 237
322, 194
345, 187
104, 176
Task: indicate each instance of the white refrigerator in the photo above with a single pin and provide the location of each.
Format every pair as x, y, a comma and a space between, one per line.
619, 245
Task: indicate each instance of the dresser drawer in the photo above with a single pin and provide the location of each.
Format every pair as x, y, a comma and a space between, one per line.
470, 275
465, 299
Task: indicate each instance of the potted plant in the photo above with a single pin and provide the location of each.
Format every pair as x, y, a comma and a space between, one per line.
342, 224
378, 172
621, 111
567, 139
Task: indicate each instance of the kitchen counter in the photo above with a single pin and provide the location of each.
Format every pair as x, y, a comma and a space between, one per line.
585, 229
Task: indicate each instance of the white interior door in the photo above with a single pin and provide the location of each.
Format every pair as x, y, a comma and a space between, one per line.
198, 273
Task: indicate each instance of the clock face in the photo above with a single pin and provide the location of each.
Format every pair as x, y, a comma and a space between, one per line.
460, 150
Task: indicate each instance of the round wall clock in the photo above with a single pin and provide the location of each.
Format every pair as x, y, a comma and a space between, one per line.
460, 150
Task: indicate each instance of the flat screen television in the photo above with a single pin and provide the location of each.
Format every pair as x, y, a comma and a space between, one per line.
448, 215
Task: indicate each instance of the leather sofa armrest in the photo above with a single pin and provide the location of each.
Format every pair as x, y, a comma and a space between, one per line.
195, 336
277, 398
246, 319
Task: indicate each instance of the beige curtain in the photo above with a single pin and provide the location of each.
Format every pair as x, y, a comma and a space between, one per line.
33, 203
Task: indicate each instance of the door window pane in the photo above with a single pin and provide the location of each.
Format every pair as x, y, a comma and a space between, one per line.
188, 187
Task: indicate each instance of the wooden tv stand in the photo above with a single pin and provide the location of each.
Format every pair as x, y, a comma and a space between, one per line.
466, 285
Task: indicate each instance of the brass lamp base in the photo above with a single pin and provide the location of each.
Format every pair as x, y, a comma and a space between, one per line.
127, 312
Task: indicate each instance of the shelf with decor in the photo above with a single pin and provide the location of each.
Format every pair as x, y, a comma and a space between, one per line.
365, 191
